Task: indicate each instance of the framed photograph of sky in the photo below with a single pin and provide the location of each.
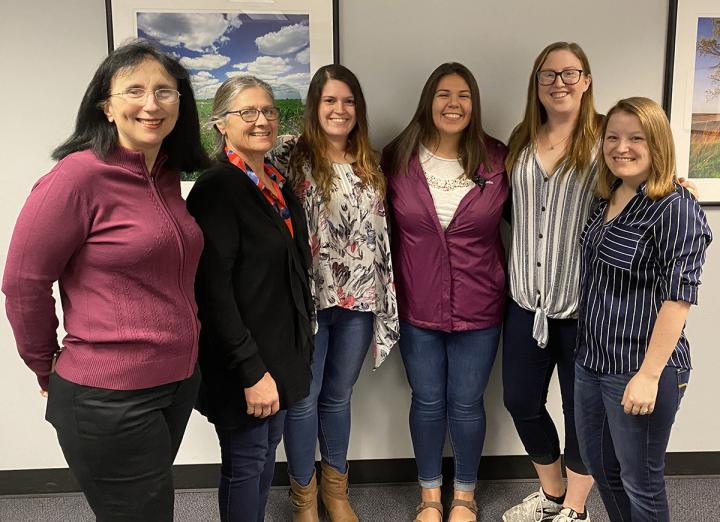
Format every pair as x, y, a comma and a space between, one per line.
280, 41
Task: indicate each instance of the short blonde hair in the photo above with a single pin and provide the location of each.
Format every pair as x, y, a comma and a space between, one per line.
659, 139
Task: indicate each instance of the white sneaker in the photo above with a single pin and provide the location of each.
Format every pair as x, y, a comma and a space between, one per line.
533, 508
568, 515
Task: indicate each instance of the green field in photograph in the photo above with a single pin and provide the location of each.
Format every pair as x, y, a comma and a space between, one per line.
291, 118
704, 156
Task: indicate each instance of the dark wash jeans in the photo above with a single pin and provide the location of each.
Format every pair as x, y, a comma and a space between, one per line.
247, 467
341, 343
448, 373
626, 453
120, 444
527, 370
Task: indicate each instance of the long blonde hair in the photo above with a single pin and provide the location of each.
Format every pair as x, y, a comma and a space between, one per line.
658, 137
312, 145
579, 154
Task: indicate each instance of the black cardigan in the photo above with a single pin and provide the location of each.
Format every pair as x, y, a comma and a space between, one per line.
253, 294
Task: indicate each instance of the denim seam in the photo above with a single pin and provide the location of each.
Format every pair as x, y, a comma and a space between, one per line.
455, 459
647, 452
605, 425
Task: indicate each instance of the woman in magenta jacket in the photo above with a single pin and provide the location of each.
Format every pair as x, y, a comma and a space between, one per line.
446, 190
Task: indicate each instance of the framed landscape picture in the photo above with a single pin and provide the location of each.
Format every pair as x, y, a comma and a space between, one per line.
695, 103
280, 41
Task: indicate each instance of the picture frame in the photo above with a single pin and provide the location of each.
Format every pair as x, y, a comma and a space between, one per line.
282, 42
692, 93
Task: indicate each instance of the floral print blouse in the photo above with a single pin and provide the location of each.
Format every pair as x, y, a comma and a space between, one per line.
350, 248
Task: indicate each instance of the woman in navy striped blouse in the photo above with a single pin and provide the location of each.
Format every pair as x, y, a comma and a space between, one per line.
642, 254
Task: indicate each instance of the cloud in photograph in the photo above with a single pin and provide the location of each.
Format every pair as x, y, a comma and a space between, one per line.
287, 40
205, 62
266, 67
205, 85
285, 92
194, 31
303, 56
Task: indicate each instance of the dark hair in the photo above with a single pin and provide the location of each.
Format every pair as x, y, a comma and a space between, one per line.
421, 129
312, 145
94, 131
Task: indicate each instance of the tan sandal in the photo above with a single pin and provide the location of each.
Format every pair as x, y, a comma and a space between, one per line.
468, 504
428, 505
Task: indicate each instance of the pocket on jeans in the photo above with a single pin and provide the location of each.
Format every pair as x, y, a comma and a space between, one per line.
683, 378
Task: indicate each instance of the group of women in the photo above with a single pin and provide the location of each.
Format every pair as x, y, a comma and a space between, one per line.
284, 253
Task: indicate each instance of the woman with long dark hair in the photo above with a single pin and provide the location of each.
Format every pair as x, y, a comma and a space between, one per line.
109, 225
337, 178
446, 191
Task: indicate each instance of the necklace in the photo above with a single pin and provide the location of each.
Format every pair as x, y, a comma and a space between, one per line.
551, 146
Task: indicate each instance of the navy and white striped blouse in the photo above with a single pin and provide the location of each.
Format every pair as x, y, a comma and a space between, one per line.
652, 252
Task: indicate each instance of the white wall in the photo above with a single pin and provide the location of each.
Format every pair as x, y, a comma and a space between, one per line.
392, 46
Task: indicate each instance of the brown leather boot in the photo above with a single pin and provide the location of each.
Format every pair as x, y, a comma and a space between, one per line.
334, 494
304, 501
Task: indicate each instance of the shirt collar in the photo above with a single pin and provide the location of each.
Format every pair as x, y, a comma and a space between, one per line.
642, 188
269, 169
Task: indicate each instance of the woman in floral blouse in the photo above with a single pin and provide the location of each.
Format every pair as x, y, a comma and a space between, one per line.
338, 180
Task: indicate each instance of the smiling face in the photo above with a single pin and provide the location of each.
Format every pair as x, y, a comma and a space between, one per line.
336, 110
452, 105
251, 140
559, 98
625, 148
142, 124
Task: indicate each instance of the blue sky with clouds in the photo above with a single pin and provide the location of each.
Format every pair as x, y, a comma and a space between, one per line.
216, 46
703, 69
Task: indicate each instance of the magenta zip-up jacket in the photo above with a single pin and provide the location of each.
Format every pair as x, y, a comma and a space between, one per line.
449, 280
124, 250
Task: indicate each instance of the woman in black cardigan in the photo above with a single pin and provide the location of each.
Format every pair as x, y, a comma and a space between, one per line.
253, 296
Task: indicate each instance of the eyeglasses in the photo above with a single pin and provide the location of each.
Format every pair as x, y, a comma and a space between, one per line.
568, 76
251, 115
139, 95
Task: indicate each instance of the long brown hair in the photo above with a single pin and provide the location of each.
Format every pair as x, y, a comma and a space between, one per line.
658, 136
421, 129
578, 155
312, 145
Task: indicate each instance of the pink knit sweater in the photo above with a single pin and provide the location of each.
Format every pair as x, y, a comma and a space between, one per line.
124, 250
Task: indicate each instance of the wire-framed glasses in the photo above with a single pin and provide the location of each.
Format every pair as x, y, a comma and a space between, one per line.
251, 115
568, 76
139, 95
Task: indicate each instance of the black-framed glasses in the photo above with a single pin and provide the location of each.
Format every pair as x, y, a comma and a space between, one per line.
568, 76
251, 115
139, 95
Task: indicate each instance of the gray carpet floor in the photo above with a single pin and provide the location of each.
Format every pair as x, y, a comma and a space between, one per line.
691, 498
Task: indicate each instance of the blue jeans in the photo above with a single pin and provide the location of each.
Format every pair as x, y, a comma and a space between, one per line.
448, 373
341, 343
626, 453
248, 464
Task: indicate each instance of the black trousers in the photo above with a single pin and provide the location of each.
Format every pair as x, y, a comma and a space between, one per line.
120, 445
526, 372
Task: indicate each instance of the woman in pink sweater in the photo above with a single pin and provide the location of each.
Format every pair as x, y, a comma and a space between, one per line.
109, 225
